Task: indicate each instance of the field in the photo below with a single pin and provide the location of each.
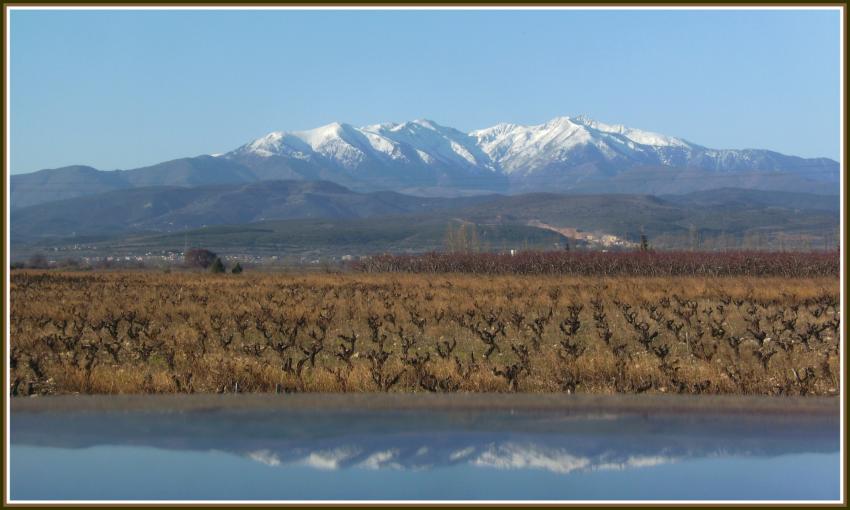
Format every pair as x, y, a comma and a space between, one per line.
184, 332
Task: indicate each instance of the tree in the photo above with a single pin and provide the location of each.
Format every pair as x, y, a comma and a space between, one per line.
461, 239
450, 242
198, 257
217, 266
456, 240
644, 243
464, 239
237, 268
474, 244
693, 235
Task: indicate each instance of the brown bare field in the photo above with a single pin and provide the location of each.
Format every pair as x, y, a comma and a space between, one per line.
144, 332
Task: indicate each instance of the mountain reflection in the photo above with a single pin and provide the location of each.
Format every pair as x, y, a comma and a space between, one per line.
550, 442
500, 456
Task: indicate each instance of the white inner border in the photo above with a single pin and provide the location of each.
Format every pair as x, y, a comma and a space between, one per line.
7, 125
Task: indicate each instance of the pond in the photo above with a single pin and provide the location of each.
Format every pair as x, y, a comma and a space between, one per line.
448, 448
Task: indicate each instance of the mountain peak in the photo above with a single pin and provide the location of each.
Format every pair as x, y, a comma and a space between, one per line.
266, 145
407, 125
430, 124
555, 148
562, 121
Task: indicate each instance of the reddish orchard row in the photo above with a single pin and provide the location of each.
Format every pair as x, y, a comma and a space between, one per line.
587, 263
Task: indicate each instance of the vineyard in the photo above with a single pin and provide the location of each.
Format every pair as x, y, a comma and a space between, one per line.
630, 263
146, 332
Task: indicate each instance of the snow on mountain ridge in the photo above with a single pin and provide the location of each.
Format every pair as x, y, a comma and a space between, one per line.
349, 146
636, 135
336, 141
441, 144
485, 147
506, 149
524, 148
277, 143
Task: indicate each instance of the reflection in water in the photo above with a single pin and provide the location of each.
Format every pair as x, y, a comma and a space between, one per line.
392, 455
506, 455
511, 456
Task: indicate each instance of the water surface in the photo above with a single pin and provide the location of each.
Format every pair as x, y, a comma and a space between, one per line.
304, 449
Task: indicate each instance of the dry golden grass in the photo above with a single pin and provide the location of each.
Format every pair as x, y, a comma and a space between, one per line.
140, 332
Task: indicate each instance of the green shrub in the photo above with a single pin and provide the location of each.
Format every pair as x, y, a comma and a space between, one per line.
217, 266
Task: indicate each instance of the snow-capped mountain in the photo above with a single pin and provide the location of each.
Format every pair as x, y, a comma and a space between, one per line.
416, 142
526, 149
506, 148
566, 154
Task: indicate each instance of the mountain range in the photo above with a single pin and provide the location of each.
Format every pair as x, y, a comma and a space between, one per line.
176, 208
421, 157
321, 218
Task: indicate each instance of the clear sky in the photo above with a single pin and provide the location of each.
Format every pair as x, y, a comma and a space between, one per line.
122, 89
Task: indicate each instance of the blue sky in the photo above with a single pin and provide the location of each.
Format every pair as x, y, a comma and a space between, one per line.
122, 89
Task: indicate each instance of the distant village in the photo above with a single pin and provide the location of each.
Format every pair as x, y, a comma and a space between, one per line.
66, 257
